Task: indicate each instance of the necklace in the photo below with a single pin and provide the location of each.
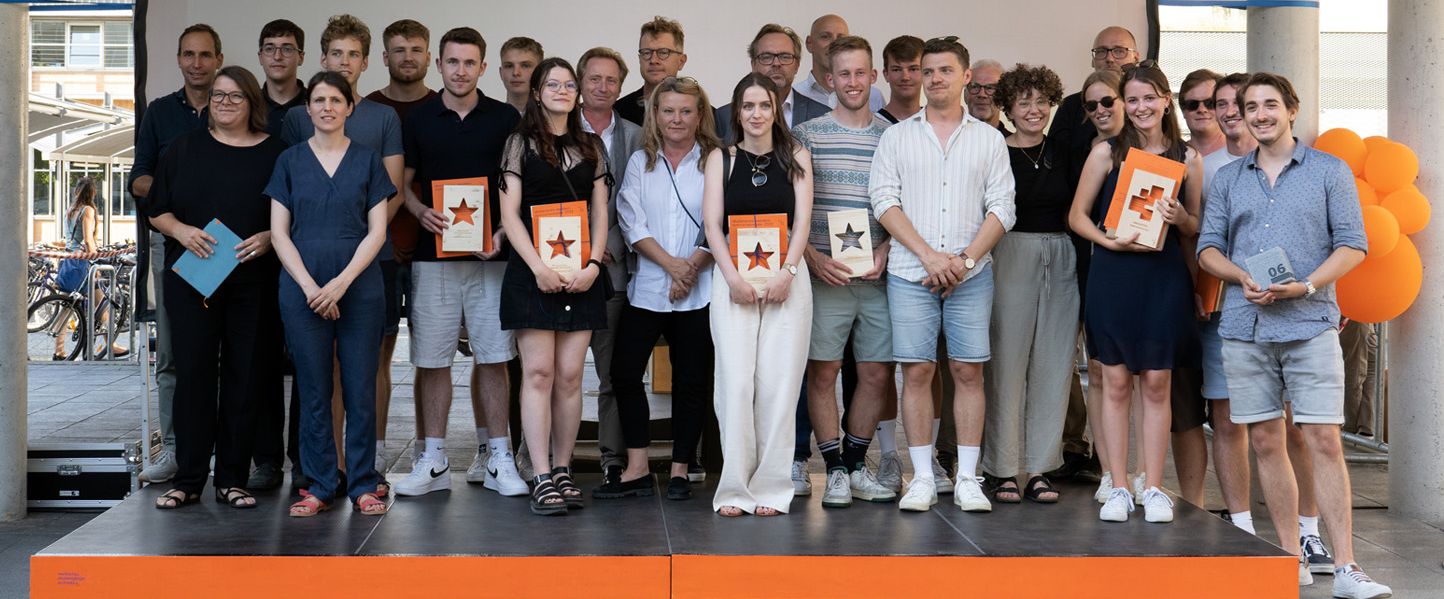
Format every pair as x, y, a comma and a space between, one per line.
759, 174
1041, 148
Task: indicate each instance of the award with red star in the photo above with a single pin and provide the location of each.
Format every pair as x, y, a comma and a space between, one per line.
561, 236
759, 244
463, 203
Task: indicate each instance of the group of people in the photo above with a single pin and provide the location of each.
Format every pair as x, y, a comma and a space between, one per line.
988, 257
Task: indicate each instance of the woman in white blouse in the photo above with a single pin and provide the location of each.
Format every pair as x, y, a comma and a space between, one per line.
659, 209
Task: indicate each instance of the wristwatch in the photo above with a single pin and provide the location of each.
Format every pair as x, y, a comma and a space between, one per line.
791, 268
1308, 287
968, 261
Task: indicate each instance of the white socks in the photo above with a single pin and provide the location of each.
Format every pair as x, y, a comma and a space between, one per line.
1243, 520
922, 457
498, 445
886, 436
435, 448
1308, 526
968, 461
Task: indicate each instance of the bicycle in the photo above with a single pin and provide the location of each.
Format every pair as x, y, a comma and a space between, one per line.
69, 320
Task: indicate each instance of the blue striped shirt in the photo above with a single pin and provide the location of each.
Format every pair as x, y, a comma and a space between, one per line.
1311, 210
841, 165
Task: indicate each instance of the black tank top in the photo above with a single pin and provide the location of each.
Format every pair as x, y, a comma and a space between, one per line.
740, 196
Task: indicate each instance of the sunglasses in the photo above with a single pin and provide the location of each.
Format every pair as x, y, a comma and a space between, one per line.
1192, 105
1092, 105
1146, 64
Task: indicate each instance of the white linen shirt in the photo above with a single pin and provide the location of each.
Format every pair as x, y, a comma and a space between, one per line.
946, 191
648, 206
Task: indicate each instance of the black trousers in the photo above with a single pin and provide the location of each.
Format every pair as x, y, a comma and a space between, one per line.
275, 441
689, 336
225, 360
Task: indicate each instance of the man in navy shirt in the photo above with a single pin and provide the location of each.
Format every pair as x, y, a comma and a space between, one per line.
282, 50
1281, 340
198, 54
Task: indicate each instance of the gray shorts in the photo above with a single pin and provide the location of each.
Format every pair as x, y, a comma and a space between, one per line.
442, 293
1308, 374
857, 309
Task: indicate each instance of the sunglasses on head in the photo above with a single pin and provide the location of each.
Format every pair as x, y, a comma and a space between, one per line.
1092, 105
1145, 64
1192, 105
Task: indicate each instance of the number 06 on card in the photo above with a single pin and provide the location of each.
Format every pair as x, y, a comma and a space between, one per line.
759, 245
561, 236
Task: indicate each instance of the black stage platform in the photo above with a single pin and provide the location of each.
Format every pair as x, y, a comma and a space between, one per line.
472, 542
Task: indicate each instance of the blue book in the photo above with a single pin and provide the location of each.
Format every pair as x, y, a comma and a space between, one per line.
206, 274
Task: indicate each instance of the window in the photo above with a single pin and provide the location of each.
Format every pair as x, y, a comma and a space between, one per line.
40, 185
121, 202
107, 44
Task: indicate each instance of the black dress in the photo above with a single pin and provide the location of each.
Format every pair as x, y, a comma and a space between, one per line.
1139, 306
523, 305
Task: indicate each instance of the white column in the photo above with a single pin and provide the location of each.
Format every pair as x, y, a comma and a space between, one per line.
1285, 40
14, 153
1416, 384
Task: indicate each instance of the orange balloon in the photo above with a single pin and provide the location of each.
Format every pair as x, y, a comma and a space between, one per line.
1375, 141
1367, 195
1381, 229
1410, 208
1345, 144
1390, 167
1382, 287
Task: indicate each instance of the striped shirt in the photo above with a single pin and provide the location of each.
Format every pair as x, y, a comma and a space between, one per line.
841, 163
945, 190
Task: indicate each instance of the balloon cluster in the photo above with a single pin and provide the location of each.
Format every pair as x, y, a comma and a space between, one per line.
1389, 279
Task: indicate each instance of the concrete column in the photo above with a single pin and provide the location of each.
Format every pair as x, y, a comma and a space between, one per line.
15, 154
1285, 40
1416, 384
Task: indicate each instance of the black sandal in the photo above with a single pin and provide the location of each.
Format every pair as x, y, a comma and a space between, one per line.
175, 498
545, 499
1039, 485
571, 493
236, 497
999, 486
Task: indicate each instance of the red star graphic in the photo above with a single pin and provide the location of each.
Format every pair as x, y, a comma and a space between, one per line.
561, 246
758, 258
463, 214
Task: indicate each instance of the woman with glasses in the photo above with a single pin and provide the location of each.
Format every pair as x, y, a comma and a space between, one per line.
659, 209
1035, 299
328, 223
762, 335
1140, 311
225, 344
547, 161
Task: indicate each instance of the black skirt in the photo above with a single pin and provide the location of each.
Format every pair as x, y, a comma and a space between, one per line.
523, 306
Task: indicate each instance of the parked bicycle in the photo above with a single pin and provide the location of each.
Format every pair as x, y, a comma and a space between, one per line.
64, 317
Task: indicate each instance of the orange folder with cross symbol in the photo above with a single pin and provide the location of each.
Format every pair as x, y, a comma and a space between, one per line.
1143, 180
561, 236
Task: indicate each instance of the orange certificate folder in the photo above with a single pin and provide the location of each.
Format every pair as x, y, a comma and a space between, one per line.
759, 245
1143, 179
463, 202
1210, 290
561, 236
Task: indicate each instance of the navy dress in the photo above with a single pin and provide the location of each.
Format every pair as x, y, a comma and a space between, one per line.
523, 305
1139, 308
328, 222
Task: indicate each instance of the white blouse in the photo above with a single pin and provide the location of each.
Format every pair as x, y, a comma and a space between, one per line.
649, 205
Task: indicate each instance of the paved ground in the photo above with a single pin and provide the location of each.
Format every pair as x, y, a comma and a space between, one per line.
70, 402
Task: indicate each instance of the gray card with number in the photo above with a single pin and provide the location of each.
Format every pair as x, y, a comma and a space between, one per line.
1269, 267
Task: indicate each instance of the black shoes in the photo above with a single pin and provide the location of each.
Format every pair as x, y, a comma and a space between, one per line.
679, 488
264, 476
641, 487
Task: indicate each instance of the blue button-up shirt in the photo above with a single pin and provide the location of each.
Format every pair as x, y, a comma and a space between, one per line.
1311, 210
163, 121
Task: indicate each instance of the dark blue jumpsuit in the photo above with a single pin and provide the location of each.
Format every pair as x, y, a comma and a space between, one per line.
328, 222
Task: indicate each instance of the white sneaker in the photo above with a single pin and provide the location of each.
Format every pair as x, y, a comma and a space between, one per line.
941, 477
431, 474
1104, 486
500, 475
1119, 504
1138, 481
161, 469
1306, 577
1157, 507
477, 471
889, 472
1350, 582
801, 485
839, 489
921, 496
867, 488
968, 495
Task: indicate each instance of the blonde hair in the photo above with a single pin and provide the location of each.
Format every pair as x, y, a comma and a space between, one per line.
652, 130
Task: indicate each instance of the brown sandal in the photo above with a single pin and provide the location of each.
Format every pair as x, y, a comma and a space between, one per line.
370, 505
309, 506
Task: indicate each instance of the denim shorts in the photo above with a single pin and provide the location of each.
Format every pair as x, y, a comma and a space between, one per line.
1215, 383
1308, 374
963, 317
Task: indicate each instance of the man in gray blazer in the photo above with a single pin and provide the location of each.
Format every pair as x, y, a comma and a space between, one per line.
602, 72
776, 53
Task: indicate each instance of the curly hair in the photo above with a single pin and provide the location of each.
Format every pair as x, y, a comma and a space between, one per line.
1016, 83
